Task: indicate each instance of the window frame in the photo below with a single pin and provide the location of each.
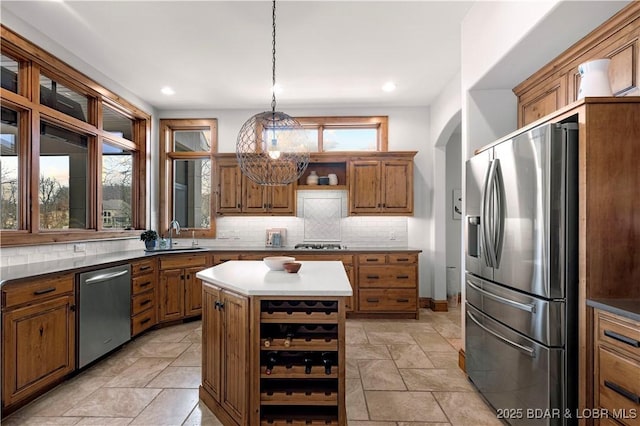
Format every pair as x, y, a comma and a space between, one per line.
32, 62
167, 157
378, 122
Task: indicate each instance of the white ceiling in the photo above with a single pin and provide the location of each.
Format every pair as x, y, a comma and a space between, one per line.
217, 54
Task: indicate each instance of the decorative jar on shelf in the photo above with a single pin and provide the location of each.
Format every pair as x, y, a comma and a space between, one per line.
312, 179
333, 179
594, 78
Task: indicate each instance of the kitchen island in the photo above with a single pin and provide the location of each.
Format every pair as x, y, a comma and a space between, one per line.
273, 343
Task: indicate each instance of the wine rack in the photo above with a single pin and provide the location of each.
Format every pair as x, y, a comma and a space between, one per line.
301, 356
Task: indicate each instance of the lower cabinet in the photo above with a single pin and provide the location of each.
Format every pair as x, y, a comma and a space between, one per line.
617, 368
143, 295
38, 336
180, 292
225, 355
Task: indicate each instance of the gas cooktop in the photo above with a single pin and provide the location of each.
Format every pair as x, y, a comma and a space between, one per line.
318, 246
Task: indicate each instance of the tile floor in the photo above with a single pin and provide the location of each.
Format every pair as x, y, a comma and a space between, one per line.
399, 373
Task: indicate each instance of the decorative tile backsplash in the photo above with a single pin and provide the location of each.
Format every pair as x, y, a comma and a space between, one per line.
322, 219
242, 231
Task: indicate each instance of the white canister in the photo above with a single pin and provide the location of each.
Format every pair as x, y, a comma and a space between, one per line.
594, 78
312, 179
333, 179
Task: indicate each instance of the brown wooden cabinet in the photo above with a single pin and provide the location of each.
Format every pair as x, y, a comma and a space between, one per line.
38, 336
180, 291
617, 367
556, 84
143, 295
381, 186
236, 194
225, 355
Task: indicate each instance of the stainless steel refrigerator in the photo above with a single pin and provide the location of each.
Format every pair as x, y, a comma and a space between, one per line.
521, 281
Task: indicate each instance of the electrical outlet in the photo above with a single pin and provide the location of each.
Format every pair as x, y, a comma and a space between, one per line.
392, 235
79, 248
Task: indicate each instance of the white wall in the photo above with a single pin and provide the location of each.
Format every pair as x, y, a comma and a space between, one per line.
454, 181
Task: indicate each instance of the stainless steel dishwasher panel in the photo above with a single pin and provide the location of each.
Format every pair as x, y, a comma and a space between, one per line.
104, 312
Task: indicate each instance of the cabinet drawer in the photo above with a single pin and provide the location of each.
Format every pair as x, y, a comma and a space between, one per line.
25, 292
143, 267
619, 333
372, 259
346, 259
387, 276
221, 258
142, 283
142, 302
143, 321
387, 300
174, 262
618, 384
403, 258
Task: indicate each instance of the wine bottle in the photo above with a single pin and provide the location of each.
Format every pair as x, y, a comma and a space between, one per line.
268, 341
272, 359
288, 336
327, 361
308, 362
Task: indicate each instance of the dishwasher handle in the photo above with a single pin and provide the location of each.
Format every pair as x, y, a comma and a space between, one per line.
105, 277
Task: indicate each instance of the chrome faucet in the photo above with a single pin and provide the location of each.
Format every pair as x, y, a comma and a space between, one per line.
173, 225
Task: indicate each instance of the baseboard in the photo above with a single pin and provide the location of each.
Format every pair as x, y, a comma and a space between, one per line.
434, 305
461, 360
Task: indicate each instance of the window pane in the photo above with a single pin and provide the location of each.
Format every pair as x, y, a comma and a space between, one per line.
116, 123
191, 140
350, 140
63, 99
9, 73
9, 184
63, 178
117, 167
192, 193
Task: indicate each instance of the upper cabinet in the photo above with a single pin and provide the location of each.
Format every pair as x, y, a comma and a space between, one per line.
381, 186
557, 83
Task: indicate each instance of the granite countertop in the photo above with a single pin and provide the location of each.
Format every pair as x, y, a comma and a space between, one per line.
254, 278
628, 308
16, 272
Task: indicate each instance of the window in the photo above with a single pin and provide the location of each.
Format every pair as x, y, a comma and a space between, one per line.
81, 175
331, 134
186, 148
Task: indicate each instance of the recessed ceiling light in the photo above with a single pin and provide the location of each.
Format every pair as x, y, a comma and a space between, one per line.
389, 86
166, 90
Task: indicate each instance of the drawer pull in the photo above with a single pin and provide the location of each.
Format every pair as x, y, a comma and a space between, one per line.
622, 391
403, 259
402, 277
44, 291
144, 284
144, 321
624, 339
402, 300
373, 300
146, 302
373, 277
375, 259
144, 268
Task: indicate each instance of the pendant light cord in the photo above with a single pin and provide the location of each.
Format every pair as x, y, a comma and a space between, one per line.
273, 58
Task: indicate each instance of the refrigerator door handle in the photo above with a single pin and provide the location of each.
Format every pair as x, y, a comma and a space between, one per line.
522, 306
488, 215
498, 226
525, 349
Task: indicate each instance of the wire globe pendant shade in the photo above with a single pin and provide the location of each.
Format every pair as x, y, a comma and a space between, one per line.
272, 146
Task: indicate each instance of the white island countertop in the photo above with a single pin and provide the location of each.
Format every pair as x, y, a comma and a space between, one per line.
254, 278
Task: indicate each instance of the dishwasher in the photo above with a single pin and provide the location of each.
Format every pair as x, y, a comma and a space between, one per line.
104, 317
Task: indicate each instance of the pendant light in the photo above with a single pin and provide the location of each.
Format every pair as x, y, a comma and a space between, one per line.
272, 146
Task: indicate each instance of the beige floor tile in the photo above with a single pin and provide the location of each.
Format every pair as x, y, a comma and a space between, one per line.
380, 374
409, 356
192, 357
432, 342
448, 330
160, 349
194, 337
466, 408
443, 359
351, 369
112, 366
399, 326
435, 379
368, 423
355, 402
201, 416
355, 336
367, 352
139, 373
170, 407
114, 402
456, 343
38, 421
104, 421
424, 424
390, 337
403, 406
178, 377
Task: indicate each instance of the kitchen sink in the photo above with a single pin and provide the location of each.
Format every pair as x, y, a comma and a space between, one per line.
176, 249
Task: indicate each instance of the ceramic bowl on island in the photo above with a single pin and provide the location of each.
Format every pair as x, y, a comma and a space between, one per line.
276, 263
292, 267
